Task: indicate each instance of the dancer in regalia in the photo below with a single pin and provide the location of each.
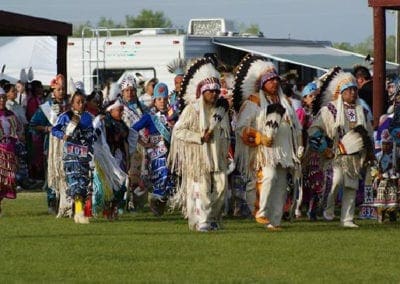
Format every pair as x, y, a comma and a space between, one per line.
269, 141
75, 128
199, 149
42, 121
159, 126
342, 133
8, 137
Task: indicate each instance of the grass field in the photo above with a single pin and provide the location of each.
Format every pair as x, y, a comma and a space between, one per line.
36, 247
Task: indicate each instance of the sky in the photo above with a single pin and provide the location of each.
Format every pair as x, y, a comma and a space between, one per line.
333, 20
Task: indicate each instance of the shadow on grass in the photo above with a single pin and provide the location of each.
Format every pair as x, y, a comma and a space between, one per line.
90, 235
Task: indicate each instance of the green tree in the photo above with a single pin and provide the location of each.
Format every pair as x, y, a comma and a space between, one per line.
77, 29
107, 23
343, 46
253, 29
148, 19
367, 47
391, 48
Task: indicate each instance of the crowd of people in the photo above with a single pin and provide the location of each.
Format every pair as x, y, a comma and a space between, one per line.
242, 142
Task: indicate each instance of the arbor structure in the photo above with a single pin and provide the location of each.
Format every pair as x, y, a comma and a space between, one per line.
379, 8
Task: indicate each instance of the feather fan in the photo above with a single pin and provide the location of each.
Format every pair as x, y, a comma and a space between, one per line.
221, 108
355, 141
274, 114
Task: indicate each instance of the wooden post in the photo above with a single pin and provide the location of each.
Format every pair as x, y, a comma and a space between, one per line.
62, 58
397, 37
379, 75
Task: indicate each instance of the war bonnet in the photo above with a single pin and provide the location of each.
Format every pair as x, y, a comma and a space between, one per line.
253, 71
202, 75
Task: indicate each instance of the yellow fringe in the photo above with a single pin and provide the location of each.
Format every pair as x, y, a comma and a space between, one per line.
108, 192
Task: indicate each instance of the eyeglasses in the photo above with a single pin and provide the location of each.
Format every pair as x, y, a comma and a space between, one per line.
214, 91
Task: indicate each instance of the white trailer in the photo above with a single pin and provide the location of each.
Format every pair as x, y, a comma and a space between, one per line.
103, 56
107, 56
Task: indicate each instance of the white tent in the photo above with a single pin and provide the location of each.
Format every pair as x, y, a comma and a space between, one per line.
40, 53
8, 78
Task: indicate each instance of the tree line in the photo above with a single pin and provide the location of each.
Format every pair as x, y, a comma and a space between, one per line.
367, 47
156, 19
147, 19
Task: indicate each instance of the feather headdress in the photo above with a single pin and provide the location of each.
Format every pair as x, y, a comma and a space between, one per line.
325, 96
340, 82
71, 86
248, 76
203, 71
30, 74
177, 66
23, 77
111, 92
139, 78
77, 86
334, 83
128, 81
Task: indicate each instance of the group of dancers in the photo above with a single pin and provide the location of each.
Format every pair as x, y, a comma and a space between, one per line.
218, 136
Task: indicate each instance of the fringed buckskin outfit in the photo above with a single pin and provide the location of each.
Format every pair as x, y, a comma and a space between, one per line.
335, 119
268, 165
201, 166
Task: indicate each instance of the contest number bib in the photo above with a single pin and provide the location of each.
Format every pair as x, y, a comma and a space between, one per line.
76, 150
159, 149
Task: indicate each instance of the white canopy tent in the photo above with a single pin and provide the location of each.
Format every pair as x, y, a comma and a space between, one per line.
8, 78
40, 53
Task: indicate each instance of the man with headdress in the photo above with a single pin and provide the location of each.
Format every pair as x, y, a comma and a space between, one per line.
199, 147
342, 132
42, 121
268, 137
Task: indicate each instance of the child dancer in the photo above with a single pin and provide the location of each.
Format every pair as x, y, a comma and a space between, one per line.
159, 127
75, 128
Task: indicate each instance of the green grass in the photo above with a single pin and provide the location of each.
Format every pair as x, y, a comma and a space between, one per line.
36, 247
